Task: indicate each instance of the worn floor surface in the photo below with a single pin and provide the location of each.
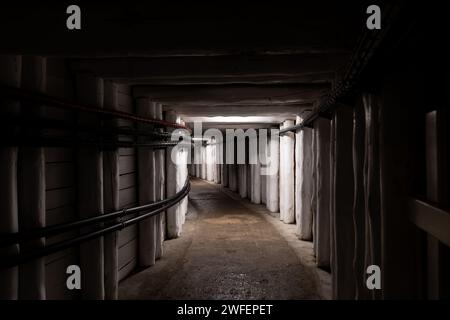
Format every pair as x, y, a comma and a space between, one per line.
226, 251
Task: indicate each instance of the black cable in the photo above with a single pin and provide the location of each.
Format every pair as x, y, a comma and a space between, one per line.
20, 237
10, 261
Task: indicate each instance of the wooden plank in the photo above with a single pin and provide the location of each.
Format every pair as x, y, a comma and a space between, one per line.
58, 155
59, 87
432, 220
127, 243
57, 67
127, 269
127, 234
127, 181
59, 197
125, 138
126, 151
62, 214
127, 253
56, 113
122, 123
127, 197
435, 171
124, 89
127, 164
59, 175
125, 103
56, 278
60, 255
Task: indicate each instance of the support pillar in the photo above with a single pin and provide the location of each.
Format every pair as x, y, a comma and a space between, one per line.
209, 162
11, 67
323, 193
242, 180
287, 175
147, 189
303, 183
249, 181
89, 91
372, 189
232, 177
173, 216
182, 176
160, 190
111, 199
313, 204
272, 180
224, 175
198, 158
359, 225
342, 201
204, 164
256, 181
218, 166
31, 185
263, 144
224, 165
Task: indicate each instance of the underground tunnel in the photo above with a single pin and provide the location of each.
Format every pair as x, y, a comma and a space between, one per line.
224, 152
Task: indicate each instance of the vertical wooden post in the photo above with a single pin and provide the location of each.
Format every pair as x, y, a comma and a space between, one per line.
224, 165
359, 224
160, 180
256, 178
342, 205
173, 216
111, 200
436, 162
304, 183
372, 189
273, 186
11, 67
31, 186
287, 175
242, 180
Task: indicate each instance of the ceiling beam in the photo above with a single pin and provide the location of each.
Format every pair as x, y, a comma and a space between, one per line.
240, 125
219, 69
244, 111
315, 77
142, 28
232, 94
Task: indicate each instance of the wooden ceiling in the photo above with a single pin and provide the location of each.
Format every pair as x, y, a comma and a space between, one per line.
228, 57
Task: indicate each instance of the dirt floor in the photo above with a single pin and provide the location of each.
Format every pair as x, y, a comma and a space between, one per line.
226, 251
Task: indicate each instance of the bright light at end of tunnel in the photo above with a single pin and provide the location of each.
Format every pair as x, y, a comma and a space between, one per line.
236, 119
232, 119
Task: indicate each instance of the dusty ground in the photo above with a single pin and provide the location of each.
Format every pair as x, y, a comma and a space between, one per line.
226, 251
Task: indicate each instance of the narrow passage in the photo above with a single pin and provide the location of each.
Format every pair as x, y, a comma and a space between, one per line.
227, 251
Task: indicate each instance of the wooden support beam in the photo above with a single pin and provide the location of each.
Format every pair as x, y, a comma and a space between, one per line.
216, 68
431, 219
148, 28
436, 164
301, 78
233, 94
240, 110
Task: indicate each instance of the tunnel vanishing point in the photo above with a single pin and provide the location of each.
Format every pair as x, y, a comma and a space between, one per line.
224, 151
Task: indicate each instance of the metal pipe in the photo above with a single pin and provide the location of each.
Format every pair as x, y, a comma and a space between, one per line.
369, 42
19, 237
11, 261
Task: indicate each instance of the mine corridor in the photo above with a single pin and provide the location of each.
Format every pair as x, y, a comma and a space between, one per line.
228, 151
228, 251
